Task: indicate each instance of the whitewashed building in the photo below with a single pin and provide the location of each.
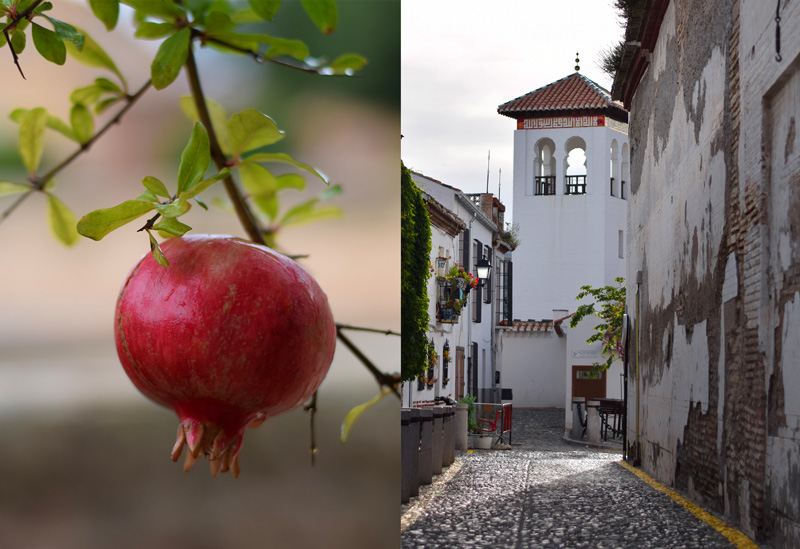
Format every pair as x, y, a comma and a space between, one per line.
463, 331
571, 183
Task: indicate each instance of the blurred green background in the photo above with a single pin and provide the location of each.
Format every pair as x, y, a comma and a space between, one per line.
87, 457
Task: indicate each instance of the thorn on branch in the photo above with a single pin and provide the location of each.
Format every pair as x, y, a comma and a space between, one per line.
14, 54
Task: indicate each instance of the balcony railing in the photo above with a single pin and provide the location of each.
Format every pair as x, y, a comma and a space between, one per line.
451, 299
545, 185
575, 184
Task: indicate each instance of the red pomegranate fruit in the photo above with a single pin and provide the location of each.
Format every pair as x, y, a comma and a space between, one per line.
231, 334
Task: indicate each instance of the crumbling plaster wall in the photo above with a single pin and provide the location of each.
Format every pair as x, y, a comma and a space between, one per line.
714, 228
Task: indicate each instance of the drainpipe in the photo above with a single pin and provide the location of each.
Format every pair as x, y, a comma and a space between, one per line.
637, 459
470, 358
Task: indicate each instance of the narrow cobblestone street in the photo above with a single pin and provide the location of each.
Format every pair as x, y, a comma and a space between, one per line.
545, 492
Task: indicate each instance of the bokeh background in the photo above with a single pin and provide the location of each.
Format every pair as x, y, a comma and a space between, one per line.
86, 457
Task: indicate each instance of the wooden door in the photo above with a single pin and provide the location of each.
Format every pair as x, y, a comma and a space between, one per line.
459, 372
588, 383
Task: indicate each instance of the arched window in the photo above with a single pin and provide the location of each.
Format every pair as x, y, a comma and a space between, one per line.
575, 166
614, 168
544, 181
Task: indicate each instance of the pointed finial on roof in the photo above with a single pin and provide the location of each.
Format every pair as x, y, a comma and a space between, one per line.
577, 62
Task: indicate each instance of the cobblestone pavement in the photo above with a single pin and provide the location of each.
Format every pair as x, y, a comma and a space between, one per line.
547, 493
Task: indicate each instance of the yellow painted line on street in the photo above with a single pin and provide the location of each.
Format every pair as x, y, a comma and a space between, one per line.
737, 538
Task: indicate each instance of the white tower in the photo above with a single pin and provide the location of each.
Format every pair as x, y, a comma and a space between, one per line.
571, 181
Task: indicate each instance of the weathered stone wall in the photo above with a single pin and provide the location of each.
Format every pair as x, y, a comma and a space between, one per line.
714, 228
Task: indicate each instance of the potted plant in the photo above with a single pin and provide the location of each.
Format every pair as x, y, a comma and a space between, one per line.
477, 438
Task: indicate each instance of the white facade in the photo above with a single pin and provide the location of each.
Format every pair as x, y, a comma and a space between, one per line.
472, 344
568, 240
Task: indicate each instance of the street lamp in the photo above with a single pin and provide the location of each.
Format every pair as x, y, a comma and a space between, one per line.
484, 269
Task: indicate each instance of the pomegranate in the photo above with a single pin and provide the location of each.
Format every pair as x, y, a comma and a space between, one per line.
231, 334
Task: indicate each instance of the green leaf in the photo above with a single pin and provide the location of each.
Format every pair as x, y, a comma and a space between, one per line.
105, 104
53, 122
3, 40
283, 46
99, 223
170, 58
354, 414
9, 187
201, 203
348, 64
194, 159
219, 118
48, 44
322, 13
151, 31
62, 221
163, 9
249, 130
41, 8
265, 9
87, 94
203, 185
330, 192
291, 181
106, 11
172, 226
155, 249
285, 159
107, 85
66, 32
92, 55
218, 22
82, 123
31, 138
155, 186
176, 208
257, 180
18, 40
148, 196
307, 211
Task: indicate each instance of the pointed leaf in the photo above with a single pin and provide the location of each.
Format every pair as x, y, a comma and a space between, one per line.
330, 192
99, 223
170, 58
265, 9
92, 55
164, 9
291, 181
249, 130
283, 46
354, 414
53, 122
172, 226
9, 187
286, 159
307, 211
348, 64
155, 186
31, 138
194, 159
148, 196
268, 204
218, 22
62, 221
106, 11
107, 85
105, 104
176, 208
158, 255
18, 40
151, 31
203, 185
48, 44
65, 31
201, 203
86, 95
218, 116
322, 13
82, 123
257, 180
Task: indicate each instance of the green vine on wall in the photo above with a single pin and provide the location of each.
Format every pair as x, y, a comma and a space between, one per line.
415, 242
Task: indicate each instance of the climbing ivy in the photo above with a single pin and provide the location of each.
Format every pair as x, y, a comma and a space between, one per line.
415, 242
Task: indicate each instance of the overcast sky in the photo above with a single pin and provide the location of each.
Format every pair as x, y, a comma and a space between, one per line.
463, 58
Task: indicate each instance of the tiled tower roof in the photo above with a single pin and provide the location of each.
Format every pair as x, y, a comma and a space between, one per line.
573, 95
